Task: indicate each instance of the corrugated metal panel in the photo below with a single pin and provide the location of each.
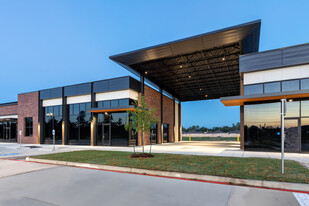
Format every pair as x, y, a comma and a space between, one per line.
284, 57
187, 45
79, 89
51, 93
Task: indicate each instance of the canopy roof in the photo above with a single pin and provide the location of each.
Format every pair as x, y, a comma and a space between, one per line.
201, 67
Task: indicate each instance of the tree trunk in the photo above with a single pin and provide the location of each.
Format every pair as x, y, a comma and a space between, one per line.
143, 142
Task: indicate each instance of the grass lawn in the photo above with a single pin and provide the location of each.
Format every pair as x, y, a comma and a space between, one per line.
245, 168
210, 138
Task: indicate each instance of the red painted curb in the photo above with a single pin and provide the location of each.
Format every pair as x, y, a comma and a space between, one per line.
178, 178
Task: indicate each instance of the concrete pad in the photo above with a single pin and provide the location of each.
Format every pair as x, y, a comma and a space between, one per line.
10, 167
244, 196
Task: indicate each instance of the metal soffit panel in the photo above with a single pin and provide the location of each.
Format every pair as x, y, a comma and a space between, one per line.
196, 68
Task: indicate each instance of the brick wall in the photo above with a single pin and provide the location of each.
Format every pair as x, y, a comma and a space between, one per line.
8, 110
153, 100
28, 106
168, 117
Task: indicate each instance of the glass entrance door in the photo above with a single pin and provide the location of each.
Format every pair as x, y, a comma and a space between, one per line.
106, 135
7, 131
292, 135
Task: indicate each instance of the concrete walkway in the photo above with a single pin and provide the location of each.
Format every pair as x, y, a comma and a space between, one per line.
212, 148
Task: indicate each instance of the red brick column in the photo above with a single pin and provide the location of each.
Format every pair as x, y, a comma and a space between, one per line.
28, 106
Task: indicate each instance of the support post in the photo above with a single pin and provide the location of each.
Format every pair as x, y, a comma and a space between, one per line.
161, 126
179, 122
283, 110
174, 120
142, 80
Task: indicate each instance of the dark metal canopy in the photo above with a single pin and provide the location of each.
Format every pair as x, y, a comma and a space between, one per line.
201, 67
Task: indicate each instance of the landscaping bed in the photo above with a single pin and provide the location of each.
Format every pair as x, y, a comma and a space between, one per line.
210, 138
244, 168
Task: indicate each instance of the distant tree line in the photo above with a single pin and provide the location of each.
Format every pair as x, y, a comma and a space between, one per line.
197, 128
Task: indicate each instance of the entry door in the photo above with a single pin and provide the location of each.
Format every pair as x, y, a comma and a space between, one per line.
292, 135
7, 132
106, 135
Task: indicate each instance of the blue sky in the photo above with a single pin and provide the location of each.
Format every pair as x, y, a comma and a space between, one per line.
51, 43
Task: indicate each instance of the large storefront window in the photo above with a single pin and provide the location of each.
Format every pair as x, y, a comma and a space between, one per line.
165, 133
79, 118
153, 133
111, 129
8, 131
53, 120
262, 126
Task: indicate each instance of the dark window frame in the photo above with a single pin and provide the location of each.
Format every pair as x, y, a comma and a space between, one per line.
28, 126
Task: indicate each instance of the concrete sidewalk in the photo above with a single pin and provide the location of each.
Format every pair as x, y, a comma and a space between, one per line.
212, 148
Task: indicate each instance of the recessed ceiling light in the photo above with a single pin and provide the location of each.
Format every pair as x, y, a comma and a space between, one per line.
206, 95
189, 76
180, 66
223, 59
200, 89
290, 100
146, 72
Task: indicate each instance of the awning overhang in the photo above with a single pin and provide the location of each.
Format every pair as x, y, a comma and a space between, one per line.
201, 67
118, 109
241, 100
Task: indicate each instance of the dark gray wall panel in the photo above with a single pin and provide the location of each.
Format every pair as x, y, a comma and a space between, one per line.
135, 84
284, 57
115, 84
79, 89
118, 84
101, 86
51, 93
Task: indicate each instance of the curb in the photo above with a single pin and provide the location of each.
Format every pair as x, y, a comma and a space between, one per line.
284, 186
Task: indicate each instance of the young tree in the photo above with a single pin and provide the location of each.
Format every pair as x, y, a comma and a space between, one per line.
140, 119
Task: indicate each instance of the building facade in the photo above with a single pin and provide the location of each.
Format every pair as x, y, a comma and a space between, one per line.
266, 78
92, 113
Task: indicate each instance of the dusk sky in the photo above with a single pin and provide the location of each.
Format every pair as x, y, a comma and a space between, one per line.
51, 43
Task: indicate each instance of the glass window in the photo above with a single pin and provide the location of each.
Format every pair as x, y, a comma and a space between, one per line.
290, 85
253, 89
292, 109
262, 126
305, 108
304, 84
79, 129
305, 134
114, 103
153, 133
107, 104
119, 135
29, 126
272, 87
100, 104
53, 121
165, 133
123, 102
76, 109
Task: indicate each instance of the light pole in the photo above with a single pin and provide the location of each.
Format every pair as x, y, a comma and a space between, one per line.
54, 140
19, 139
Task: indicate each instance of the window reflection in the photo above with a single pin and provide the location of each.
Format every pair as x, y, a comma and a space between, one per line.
262, 126
80, 118
52, 120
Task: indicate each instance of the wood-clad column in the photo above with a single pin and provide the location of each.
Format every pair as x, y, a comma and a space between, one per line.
65, 119
94, 117
242, 115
